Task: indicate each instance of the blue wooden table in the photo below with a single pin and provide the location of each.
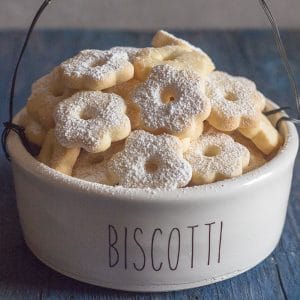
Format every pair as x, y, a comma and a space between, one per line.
247, 53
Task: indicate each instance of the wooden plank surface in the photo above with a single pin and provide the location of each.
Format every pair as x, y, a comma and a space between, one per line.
247, 53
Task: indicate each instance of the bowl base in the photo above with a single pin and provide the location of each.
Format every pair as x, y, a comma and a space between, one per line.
140, 288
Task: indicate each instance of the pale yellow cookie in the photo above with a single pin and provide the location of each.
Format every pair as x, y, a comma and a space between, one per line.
96, 69
56, 156
94, 173
264, 136
172, 101
235, 103
93, 166
151, 161
176, 56
257, 158
216, 156
131, 51
125, 90
47, 92
34, 132
91, 120
163, 38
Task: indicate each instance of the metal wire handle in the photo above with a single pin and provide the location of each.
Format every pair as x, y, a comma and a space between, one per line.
20, 131
282, 53
9, 125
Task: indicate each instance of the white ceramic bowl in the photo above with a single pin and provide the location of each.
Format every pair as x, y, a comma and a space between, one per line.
140, 240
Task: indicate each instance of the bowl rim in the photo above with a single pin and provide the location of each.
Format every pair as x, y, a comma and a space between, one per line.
206, 192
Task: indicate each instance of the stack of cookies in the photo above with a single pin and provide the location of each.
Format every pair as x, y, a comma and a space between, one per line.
157, 117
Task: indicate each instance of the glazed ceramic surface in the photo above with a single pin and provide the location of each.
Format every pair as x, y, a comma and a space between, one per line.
142, 240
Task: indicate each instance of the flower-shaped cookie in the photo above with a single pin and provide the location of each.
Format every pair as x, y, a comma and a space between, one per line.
57, 157
125, 90
235, 102
163, 38
93, 166
176, 56
264, 136
151, 161
131, 51
257, 158
172, 101
34, 132
96, 69
47, 92
216, 156
91, 120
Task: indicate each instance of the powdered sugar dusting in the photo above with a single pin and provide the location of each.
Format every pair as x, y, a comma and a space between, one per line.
131, 51
93, 166
220, 84
34, 127
257, 158
88, 118
42, 173
47, 92
94, 173
169, 169
228, 158
163, 38
186, 89
96, 64
247, 82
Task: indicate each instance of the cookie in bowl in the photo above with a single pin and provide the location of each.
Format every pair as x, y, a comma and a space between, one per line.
100, 97
173, 175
